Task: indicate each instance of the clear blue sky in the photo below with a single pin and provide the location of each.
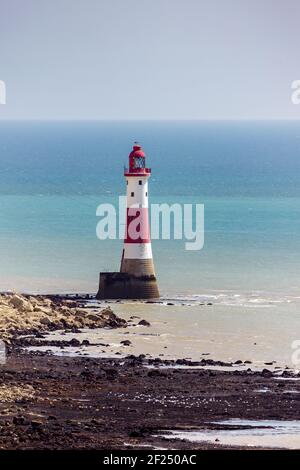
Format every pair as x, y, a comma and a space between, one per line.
149, 59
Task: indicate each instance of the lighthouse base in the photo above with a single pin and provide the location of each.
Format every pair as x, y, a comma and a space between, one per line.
127, 286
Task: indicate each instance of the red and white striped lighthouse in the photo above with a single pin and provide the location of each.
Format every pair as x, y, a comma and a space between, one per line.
136, 279
137, 253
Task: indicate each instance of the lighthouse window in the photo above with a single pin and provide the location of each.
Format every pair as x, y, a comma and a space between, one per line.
146, 193
139, 162
132, 194
140, 182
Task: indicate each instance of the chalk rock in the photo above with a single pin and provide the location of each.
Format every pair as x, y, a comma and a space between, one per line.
20, 303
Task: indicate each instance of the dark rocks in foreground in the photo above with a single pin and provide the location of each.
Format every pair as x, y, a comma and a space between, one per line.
84, 403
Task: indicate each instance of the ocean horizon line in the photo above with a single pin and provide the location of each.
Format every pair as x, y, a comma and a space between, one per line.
143, 120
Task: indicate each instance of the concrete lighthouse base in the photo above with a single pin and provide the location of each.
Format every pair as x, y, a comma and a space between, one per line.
116, 285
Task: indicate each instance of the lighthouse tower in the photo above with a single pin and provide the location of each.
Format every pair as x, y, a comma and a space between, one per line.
136, 279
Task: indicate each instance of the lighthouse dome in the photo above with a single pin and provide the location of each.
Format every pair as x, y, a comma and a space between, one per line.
137, 151
137, 161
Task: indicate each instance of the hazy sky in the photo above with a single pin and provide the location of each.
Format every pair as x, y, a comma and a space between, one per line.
149, 59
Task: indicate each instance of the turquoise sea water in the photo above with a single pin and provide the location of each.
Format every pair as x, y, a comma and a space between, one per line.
53, 175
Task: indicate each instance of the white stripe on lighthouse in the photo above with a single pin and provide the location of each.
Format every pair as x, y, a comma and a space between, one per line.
137, 251
137, 194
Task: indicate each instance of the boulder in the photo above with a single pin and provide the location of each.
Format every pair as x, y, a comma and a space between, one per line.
144, 323
20, 303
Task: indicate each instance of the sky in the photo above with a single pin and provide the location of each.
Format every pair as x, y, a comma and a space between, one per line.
149, 59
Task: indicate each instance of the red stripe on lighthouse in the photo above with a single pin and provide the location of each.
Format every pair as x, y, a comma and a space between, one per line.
137, 225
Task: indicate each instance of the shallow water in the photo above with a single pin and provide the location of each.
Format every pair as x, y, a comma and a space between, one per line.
229, 333
262, 433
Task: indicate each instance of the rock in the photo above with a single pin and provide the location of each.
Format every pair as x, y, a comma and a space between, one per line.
266, 373
111, 374
20, 303
133, 361
126, 342
41, 309
111, 319
36, 424
47, 302
75, 342
40, 336
86, 373
20, 421
51, 418
144, 323
32, 300
93, 316
286, 373
137, 433
80, 312
96, 422
156, 373
25, 315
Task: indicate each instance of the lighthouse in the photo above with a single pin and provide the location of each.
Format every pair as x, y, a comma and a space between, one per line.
136, 279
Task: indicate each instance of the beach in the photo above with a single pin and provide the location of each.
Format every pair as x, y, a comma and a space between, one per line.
84, 403
56, 393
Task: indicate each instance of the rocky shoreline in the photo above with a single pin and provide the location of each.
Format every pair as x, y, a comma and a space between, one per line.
27, 314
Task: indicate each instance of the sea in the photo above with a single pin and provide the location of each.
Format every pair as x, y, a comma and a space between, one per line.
54, 175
